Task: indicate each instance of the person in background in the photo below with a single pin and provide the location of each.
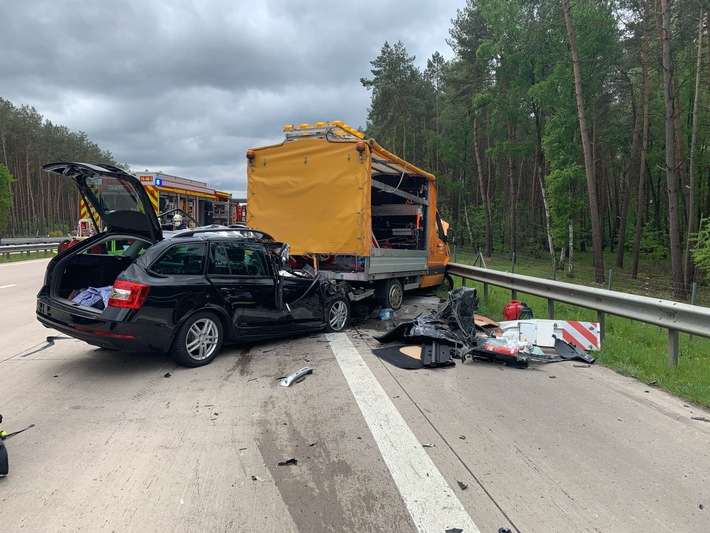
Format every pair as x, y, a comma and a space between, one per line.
178, 222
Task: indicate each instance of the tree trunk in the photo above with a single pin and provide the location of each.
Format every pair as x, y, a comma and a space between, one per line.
626, 186
671, 169
692, 227
512, 203
485, 200
597, 242
644, 145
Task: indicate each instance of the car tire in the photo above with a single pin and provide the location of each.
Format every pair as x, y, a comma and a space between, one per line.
199, 340
447, 284
337, 313
391, 294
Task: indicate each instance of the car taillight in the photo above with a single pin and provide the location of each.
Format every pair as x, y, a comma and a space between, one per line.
127, 294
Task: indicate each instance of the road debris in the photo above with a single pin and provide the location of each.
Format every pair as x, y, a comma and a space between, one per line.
462, 485
298, 375
454, 331
289, 462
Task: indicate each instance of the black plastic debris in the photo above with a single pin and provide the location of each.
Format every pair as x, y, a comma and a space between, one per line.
454, 530
569, 350
462, 485
4, 461
167, 375
289, 462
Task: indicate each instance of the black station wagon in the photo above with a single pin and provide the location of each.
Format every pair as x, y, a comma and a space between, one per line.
129, 287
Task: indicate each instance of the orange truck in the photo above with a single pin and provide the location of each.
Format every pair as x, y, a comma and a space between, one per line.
350, 210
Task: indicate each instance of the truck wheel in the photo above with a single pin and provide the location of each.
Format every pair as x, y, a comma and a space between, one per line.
447, 284
392, 295
337, 313
198, 340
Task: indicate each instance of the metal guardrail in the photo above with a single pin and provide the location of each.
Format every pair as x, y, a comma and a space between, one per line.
674, 316
6, 250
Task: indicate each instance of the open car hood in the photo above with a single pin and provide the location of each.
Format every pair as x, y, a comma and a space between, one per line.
115, 196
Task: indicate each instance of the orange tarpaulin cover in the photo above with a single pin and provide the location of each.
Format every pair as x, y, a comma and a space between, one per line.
312, 194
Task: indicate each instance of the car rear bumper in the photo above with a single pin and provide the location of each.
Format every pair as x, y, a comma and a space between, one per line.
97, 331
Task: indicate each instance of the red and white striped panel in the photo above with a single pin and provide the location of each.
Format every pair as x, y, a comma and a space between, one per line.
583, 334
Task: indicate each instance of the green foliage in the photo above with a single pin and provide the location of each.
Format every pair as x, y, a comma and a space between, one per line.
654, 243
6, 181
701, 253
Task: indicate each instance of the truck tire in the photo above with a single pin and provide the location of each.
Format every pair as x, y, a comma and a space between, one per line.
447, 284
391, 294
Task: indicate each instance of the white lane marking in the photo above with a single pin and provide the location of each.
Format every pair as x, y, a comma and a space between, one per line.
7, 286
429, 499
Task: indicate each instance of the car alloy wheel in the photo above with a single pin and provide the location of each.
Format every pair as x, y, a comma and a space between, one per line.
198, 340
337, 313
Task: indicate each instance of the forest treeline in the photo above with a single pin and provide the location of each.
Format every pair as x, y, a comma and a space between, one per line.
38, 202
557, 126
563, 125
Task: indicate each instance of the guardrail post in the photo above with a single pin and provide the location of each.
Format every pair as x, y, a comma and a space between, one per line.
550, 308
601, 319
485, 292
673, 348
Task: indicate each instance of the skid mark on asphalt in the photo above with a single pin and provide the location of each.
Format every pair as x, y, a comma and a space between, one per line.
430, 501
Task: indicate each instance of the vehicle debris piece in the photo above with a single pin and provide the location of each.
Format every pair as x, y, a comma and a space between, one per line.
462, 485
257, 478
289, 462
428, 445
701, 418
296, 376
569, 350
412, 357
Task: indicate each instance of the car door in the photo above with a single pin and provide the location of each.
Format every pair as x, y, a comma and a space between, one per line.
301, 296
247, 286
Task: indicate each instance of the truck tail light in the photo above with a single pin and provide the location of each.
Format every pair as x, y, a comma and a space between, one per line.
128, 295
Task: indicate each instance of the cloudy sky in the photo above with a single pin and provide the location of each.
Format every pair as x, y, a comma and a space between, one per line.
185, 87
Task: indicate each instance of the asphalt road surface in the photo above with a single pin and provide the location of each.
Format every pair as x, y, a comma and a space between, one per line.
132, 442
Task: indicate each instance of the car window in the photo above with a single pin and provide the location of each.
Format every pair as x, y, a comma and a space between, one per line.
183, 259
238, 259
118, 247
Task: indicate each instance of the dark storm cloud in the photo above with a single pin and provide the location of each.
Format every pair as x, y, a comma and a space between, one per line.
185, 87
